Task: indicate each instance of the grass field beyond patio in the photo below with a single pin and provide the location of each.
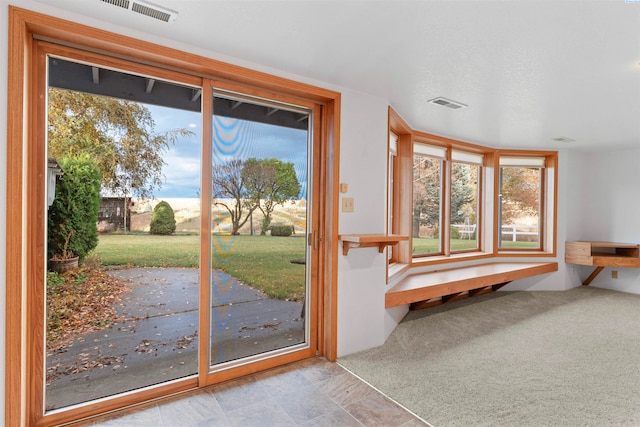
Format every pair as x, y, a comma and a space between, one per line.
260, 261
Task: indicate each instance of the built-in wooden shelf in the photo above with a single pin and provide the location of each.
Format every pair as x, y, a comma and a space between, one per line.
601, 255
351, 241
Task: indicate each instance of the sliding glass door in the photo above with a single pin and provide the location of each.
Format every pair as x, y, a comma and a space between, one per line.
180, 217
260, 220
122, 289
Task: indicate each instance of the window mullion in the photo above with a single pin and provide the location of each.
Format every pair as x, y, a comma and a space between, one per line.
445, 234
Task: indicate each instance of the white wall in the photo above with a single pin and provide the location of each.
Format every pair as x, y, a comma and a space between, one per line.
611, 210
362, 273
574, 224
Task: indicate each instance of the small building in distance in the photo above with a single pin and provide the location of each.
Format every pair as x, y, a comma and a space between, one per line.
111, 215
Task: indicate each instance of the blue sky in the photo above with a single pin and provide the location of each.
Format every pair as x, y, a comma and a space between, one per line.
234, 138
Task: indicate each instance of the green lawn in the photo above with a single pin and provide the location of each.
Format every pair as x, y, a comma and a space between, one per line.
261, 261
426, 246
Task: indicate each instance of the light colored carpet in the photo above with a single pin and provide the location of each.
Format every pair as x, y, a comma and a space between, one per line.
568, 358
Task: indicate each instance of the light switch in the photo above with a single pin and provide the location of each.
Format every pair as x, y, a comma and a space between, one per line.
344, 188
347, 204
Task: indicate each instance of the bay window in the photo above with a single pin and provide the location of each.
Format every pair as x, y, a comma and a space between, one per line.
458, 201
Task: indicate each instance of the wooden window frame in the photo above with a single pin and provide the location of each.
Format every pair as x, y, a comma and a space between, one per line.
445, 192
24, 212
479, 209
548, 204
400, 203
487, 225
447, 255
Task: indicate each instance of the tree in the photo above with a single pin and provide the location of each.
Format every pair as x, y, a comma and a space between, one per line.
230, 192
426, 193
241, 187
520, 191
119, 134
461, 192
163, 220
73, 215
270, 182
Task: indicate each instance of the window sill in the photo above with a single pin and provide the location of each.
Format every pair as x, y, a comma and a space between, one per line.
395, 271
525, 254
467, 256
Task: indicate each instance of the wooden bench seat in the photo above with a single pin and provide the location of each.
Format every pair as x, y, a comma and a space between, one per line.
437, 287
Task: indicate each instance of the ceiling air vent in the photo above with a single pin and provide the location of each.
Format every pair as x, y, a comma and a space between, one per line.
145, 8
563, 139
120, 3
447, 103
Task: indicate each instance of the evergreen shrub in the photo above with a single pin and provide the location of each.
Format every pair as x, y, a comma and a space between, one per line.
163, 219
73, 216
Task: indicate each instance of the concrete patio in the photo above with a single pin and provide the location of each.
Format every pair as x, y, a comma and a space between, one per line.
157, 340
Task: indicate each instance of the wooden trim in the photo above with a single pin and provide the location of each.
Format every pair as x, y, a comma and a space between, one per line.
483, 194
115, 403
397, 124
544, 194
391, 224
180, 387
457, 257
221, 375
527, 153
124, 47
402, 203
455, 144
497, 231
402, 180
316, 313
21, 400
445, 208
260, 93
204, 321
117, 64
330, 208
553, 160
18, 90
36, 158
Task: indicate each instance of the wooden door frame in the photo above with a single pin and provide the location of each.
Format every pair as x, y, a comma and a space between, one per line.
24, 214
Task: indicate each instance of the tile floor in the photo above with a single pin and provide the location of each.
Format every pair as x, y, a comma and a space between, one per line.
313, 392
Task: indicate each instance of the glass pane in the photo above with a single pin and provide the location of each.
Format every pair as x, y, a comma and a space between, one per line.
126, 316
427, 204
464, 206
520, 196
259, 230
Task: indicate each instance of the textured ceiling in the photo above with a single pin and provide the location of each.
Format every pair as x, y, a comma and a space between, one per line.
529, 71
